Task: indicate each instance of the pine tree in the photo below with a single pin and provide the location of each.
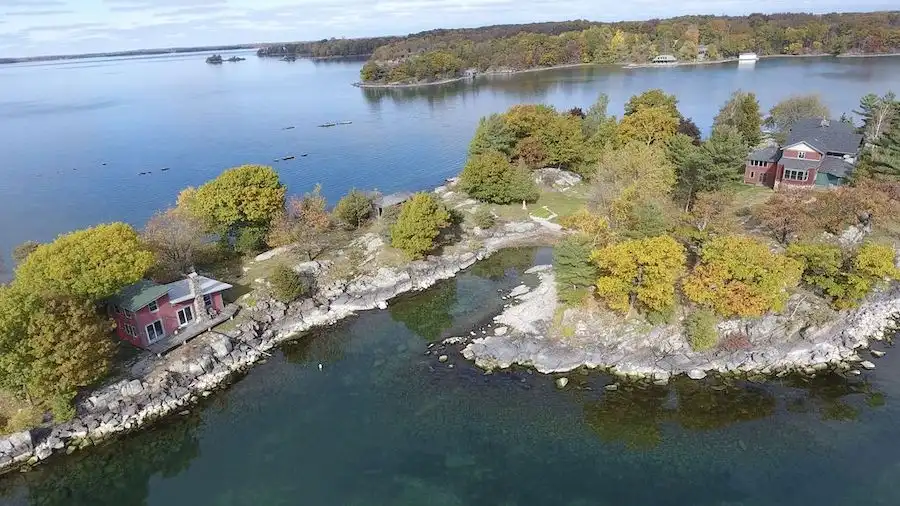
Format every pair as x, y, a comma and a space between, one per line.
573, 268
421, 220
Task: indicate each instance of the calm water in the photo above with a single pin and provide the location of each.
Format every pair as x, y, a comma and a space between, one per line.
383, 424
60, 122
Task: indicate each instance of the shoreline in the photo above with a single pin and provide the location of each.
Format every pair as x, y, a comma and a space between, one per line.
363, 85
774, 345
159, 387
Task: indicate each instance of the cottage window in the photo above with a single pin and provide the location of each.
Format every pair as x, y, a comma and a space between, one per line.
185, 316
795, 175
752, 175
207, 301
129, 314
801, 154
130, 330
155, 331
153, 306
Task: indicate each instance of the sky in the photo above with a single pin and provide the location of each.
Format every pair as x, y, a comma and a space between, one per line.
45, 27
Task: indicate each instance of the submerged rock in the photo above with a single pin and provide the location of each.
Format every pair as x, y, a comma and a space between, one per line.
696, 374
867, 365
562, 382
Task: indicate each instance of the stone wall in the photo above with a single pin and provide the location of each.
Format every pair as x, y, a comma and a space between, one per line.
171, 384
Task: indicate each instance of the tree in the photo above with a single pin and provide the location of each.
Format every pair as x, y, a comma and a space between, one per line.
639, 272
709, 216
786, 215
287, 284
885, 161
249, 195
573, 268
490, 177
652, 125
492, 134
177, 238
727, 154
629, 175
51, 346
651, 99
303, 222
686, 126
787, 112
739, 276
421, 220
741, 112
353, 209
844, 279
590, 226
878, 114
93, 263
563, 140
21, 252
596, 115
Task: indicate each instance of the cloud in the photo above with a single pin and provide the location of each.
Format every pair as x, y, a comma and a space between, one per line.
33, 3
152, 5
45, 12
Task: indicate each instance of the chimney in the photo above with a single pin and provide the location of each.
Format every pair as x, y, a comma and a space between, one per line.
200, 313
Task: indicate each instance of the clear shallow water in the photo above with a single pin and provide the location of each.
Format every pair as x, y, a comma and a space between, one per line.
61, 121
384, 424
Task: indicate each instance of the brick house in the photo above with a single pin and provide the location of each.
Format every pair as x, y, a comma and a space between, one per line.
147, 312
818, 153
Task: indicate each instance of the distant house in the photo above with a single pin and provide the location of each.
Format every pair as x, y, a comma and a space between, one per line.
817, 153
382, 202
147, 312
665, 58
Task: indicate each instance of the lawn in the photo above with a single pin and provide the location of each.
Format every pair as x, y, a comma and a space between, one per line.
561, 204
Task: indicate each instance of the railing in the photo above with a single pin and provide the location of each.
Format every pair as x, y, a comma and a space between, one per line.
185, 334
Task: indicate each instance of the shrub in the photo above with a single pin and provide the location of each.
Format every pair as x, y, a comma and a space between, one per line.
700, 328
420, 222
250, 240
24, 418
484, 218
353, 209
287, 284
490, 177
21, 252
62, 408
592, 226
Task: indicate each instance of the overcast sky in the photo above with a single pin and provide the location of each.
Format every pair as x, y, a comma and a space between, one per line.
40, 27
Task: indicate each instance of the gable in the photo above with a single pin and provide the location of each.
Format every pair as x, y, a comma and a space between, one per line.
802, 146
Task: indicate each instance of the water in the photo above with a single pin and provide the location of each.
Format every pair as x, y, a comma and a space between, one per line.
62, 121
384, 424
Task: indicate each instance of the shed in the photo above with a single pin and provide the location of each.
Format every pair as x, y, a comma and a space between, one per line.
382, 202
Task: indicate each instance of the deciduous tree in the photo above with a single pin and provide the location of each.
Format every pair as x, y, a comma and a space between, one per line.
639, 272
651, 99
21, 252
632, 174
93, 263
739, 276
651, 125
353, 209
303, 222
741, 112
490, 177
421, 220
878, 114
177, 238
786, 215
787, 112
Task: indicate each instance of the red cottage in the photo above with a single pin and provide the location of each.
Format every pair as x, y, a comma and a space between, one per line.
146, 312
818, 153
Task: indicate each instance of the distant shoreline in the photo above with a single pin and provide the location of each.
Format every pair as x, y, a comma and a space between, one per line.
621, 65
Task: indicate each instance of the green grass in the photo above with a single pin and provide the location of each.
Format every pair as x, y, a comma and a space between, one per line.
562, 204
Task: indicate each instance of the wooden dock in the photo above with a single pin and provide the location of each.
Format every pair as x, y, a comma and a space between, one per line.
168, 343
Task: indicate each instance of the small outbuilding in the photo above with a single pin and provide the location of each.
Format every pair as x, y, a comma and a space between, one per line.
382, 202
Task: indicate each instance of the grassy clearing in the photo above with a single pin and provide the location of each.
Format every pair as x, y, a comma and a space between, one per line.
561, 204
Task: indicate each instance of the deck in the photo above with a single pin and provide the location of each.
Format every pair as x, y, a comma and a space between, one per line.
168, 343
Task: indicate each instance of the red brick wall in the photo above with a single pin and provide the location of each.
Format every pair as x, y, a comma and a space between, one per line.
810, 155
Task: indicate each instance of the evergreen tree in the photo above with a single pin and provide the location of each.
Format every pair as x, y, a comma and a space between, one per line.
885, 159
742, 113
421, 220
573, 268
878, 114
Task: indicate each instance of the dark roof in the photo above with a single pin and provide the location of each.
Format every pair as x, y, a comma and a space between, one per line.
393, 199
799, 163
835, 166
138, 295
826, 136
767, 154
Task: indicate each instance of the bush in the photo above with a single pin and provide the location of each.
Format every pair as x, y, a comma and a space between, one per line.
25, 418
490, 177
353, 209
287, 284
421, 220
21, 252
62, 408
700, 328
250, 240
484, 218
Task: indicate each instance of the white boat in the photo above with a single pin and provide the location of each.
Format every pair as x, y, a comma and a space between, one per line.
748, 57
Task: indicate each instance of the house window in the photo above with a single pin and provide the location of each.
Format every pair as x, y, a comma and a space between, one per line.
185, 316
801, 154
765, 177
795, 175
153, 306
130, 330
207, 301
753, 175
155, 331
129, 314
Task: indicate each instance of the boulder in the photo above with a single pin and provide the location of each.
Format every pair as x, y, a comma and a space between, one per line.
220, 344
132, 388
562, 382
867, 365
501, 331
696, 374
557, 179
443, 358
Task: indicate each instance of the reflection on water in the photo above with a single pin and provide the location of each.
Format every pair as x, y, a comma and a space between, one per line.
382, 423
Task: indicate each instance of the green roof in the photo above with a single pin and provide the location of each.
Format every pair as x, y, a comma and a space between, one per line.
138, 295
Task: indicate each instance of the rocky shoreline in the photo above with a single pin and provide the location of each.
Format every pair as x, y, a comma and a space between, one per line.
162, 386
809, 338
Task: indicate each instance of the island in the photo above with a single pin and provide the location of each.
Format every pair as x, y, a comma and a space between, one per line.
214, 59
747, 253
447, 55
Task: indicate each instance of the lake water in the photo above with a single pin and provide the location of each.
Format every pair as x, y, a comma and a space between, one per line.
384, 424
61, 122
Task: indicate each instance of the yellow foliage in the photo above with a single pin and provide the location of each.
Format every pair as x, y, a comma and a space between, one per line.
640, 272
634, 173
652, 125
739, 276
591, 225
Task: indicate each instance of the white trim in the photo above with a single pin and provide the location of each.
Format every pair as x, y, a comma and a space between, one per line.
182, 314
151, 340
130, 330
154, 303
801, 146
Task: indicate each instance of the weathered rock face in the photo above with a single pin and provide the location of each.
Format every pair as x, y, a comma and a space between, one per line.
810, 337
557, 179
162, 386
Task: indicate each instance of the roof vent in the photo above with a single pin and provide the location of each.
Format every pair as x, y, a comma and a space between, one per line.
825, 123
